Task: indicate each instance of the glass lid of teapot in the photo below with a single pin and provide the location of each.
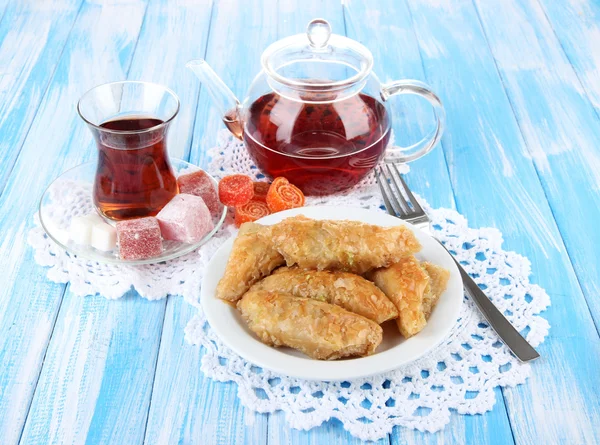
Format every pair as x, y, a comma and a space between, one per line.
317, 60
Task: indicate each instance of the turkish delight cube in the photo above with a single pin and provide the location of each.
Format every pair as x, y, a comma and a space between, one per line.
200, 184
139, 238
185, 218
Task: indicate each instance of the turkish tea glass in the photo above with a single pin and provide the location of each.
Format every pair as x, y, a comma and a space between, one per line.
129, 121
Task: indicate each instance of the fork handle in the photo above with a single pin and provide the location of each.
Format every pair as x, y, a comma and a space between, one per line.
509, 335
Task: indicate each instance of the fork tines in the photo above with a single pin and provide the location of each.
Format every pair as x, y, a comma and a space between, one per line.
397, 196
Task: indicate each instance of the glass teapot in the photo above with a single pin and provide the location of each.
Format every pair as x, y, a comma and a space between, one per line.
317, 114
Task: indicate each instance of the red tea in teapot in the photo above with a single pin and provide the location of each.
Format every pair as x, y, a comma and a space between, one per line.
134, 177
316, 113
321, 147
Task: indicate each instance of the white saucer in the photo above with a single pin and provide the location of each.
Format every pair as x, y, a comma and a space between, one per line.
59, 204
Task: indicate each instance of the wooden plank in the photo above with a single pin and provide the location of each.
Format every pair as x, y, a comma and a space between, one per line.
577, 26
174, 32
561, 128
496, 184
96, 380
113, 387
32, 40
380, 25
3, 6
57, 140
187, 407
562, 132
200, 410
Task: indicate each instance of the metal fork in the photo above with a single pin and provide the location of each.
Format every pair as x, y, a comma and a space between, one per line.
407, 208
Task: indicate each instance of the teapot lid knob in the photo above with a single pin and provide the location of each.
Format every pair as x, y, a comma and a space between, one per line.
318, 33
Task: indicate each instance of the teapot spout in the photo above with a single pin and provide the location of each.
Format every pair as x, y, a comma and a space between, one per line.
221, 95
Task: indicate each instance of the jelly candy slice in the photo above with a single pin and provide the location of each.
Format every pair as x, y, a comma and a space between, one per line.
252, 211
236, 190
282, 195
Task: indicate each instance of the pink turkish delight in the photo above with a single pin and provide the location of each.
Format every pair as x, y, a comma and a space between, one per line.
185, 218
139, 238
200, 184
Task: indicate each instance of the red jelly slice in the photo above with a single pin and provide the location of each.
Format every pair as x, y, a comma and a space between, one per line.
235, 190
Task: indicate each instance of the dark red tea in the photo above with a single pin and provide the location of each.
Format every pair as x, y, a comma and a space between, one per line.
134, 177
320, 147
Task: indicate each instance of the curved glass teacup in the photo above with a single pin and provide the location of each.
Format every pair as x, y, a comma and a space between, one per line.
129, 121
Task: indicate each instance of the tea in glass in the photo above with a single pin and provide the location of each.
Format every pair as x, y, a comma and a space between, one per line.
133, 182
129, 120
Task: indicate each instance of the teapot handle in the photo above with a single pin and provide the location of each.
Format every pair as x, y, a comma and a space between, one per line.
425, 145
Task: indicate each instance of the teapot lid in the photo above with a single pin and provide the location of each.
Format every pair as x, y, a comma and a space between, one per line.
317, 59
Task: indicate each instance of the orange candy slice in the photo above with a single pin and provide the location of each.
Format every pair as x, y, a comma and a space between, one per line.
282, 195
260, 190
235, 190
251, 211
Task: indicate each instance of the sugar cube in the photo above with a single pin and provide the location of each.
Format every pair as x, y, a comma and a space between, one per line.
139, 238
185, 218
80, 230
200, 184
95, 218
104, 237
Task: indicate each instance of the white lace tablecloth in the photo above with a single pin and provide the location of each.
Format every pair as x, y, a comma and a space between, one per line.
460, 374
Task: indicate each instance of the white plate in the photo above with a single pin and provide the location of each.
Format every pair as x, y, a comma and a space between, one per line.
393, 352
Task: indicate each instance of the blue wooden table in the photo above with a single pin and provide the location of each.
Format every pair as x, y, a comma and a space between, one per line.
520, 80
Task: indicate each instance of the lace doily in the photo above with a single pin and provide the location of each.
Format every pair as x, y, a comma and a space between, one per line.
460, 374
181, 276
